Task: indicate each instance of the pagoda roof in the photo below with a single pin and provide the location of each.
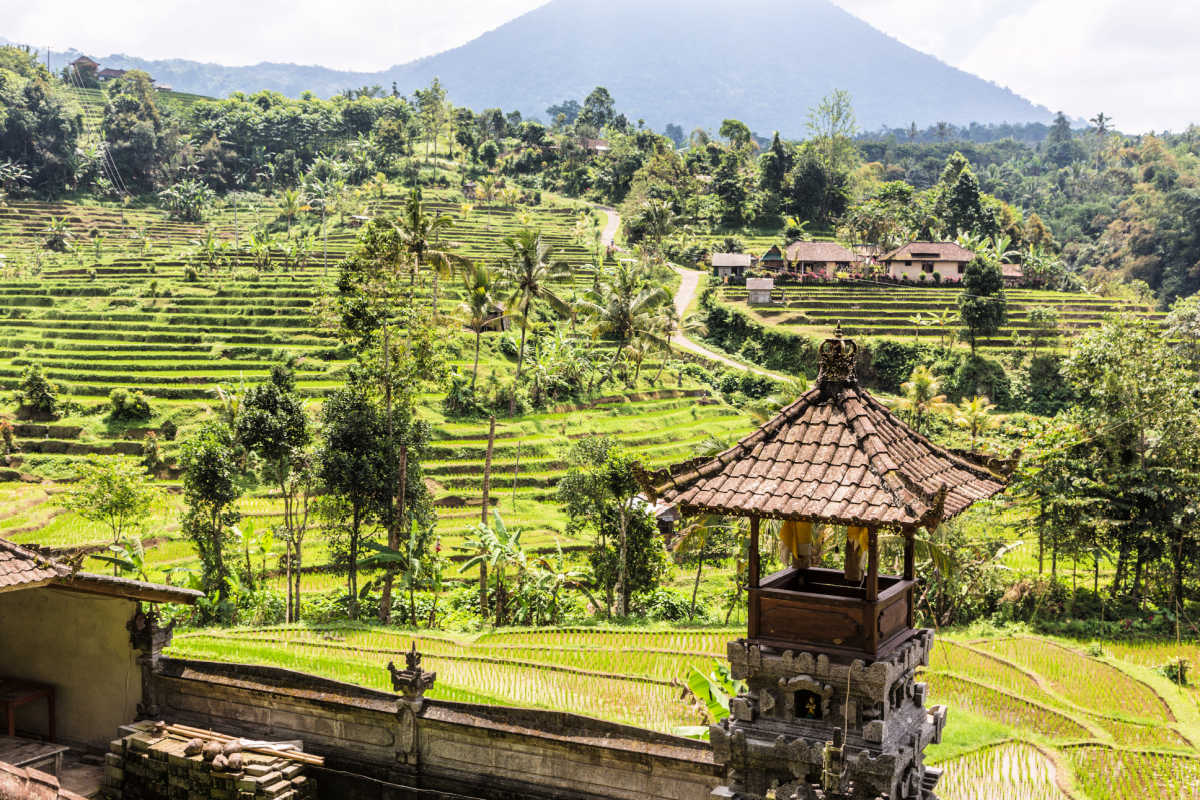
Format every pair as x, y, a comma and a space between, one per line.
836, 455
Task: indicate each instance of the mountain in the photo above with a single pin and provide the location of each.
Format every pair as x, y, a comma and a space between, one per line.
765, 62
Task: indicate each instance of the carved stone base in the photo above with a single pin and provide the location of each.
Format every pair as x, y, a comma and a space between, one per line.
778, 731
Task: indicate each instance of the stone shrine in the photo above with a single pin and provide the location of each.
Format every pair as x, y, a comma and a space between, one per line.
832, 707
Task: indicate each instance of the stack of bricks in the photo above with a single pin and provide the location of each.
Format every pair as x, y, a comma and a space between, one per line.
149, 766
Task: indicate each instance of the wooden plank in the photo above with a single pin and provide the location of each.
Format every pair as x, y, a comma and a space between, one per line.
23, 752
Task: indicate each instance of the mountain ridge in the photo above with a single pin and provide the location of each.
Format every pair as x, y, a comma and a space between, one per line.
666, 61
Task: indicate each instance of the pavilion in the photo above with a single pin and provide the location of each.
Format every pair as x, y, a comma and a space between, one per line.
830, 647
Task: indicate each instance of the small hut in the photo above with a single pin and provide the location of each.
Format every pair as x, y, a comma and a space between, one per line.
760, 291
830, 654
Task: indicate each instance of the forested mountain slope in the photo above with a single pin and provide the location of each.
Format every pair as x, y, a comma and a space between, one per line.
693, 64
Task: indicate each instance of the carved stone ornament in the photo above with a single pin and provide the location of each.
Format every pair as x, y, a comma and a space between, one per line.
837, 357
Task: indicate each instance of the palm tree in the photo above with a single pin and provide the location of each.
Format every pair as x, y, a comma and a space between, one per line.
528, 270
418, 230
660, 221
943, 320
921, 397
479, 306
487, 188
975, 416
625, 306
701, 540
289, 206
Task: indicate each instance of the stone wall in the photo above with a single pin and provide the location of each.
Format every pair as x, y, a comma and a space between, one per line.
377, 745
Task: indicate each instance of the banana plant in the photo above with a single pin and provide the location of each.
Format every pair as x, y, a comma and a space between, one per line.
711, 693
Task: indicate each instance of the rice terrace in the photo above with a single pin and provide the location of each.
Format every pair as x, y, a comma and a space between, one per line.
448, 432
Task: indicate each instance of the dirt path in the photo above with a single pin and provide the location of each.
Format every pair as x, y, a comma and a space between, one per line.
608, 236
689, 281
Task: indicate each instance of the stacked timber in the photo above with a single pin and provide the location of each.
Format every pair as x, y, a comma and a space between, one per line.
169, 762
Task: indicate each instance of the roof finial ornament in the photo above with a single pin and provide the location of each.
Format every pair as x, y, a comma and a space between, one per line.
837, 357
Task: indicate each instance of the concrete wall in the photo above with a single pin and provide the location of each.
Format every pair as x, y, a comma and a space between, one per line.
78, 643
465, 749
947, 269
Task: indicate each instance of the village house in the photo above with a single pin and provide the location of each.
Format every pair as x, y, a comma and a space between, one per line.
917, 261
731, 265
1012, 274
807, 258
85, 64
75, 654
108, 74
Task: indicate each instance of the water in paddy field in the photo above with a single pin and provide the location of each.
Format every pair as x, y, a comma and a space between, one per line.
1005, 772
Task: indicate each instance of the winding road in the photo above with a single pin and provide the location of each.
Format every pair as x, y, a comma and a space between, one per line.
689, 281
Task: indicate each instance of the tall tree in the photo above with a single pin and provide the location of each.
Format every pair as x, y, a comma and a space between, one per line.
982, 305
210, 489
355, 470
273, 424
529, 270
480, 307
141, 138
831, 124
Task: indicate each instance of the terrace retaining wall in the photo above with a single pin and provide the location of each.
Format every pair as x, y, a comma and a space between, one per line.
377, 746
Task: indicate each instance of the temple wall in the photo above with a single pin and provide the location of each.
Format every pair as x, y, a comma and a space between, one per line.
465, 749
78, 643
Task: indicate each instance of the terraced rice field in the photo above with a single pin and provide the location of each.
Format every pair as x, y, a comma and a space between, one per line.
1037, 744
889, 310
134, 319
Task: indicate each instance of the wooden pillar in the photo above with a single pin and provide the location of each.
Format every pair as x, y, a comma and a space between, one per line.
872, 565
752, 623
910, 570
910, 559
752, 573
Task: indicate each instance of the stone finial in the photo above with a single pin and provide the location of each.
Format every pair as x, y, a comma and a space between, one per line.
412, 681
837, 356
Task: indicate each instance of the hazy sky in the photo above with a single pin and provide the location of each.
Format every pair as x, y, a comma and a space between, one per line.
1136, 61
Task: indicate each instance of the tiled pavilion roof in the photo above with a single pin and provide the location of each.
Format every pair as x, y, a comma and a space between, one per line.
22, 568
836, 455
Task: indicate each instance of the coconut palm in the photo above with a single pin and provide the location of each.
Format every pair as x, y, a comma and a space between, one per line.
625, 306
528, 270
659, 220
480, 305
289, 206
701, 540
419, 232
975, 416
921, 397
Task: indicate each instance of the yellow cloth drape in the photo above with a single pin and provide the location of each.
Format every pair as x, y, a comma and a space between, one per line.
793, 534
859, 537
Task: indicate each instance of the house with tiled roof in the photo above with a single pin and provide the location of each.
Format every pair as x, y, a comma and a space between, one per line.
807, 258
73, 648
921, 261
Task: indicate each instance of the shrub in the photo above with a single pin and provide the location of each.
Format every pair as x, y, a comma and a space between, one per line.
37, 393
128, 406
151, 454
260, 607
662, 604
169, 430
190, 275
